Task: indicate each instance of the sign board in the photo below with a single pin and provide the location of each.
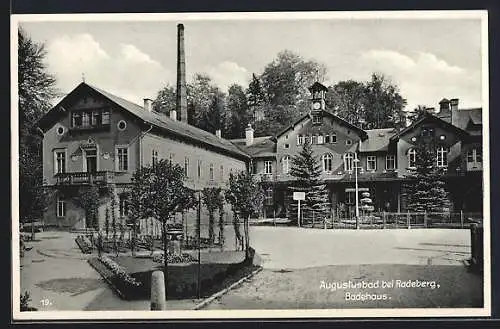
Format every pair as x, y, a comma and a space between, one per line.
361, 189
299, 195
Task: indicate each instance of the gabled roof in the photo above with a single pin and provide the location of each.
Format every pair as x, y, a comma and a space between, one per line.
462, 117
262, 147
361, 132
317, 86
378, 140
432, 118
160, 121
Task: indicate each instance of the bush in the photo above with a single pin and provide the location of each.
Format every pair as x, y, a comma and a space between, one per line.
175, 259
119, 272
25, 299
84, 244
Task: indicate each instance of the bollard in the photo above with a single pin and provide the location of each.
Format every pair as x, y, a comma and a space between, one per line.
158, 299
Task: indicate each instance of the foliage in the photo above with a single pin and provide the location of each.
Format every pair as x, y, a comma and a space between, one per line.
165, 100
246, 197
36, 89
119, 272
238, 114
174, 259
418, 113
306, 170
25, 299
106, 222
426, 192
220, 207
210, 197
84, 244
88, 199
372, 104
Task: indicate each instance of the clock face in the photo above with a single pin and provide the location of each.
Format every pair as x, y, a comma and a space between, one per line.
316, 106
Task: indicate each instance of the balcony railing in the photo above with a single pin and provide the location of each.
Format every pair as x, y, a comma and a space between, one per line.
82, 178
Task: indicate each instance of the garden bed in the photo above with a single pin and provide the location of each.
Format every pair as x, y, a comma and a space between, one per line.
182, 277
84, 244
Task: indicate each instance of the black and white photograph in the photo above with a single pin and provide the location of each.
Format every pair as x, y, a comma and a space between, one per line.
203, 165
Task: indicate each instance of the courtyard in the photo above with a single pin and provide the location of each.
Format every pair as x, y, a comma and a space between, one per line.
295, 261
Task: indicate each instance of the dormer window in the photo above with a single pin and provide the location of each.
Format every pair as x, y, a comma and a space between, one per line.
317, 119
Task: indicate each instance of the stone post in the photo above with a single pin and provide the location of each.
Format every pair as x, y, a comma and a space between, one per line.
158, 295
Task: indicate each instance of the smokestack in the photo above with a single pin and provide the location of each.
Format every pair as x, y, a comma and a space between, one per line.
181, 99
249, 135
173, 114
148, 104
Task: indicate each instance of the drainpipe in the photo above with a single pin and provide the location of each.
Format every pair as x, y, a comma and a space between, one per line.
140, 144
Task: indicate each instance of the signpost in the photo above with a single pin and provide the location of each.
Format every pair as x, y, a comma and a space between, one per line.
299, 196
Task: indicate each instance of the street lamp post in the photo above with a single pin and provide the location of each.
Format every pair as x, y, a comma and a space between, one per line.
356, 161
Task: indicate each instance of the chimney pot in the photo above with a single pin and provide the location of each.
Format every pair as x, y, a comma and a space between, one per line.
173, 114
454, 104
148, 104
218, 133
249, 135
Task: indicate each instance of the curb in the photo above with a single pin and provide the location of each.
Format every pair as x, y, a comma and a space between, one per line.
225, 290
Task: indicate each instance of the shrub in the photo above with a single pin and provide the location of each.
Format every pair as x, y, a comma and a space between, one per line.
84, 244
119, 272
174, 259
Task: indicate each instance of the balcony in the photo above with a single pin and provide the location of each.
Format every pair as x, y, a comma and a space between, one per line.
84, 178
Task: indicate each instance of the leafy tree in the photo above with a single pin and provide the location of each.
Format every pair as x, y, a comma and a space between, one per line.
165, 100
210, 196
426, 192
36, 88
418, 113
220, 206
238, 112
159, 192
346, 99
383, 103
246, 197
202, 96
306, 170
88, 200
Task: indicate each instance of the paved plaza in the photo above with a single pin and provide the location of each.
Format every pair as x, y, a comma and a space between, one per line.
295, 260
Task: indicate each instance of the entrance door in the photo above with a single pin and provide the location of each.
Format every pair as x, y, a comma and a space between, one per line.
91, 158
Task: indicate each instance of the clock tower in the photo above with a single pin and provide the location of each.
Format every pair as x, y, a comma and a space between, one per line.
318, 92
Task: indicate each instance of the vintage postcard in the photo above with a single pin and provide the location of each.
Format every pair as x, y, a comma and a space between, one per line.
250, 165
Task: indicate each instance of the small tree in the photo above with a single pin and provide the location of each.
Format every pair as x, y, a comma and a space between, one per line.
159, 192
246, 198
210, 197
426, 192
306, 169
88, 199
220, 207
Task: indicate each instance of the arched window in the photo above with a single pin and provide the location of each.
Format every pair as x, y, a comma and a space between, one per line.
442, 157
285, 162
348, 161
327, 162
412, 158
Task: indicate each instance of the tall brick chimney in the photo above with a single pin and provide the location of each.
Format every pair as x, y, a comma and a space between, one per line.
181, 99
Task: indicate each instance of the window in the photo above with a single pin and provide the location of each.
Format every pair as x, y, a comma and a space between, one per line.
269, 196
427, 132
95, 118
221, 172
105, 118
199, 168
286, 146
122, 156
474, 155
333, 139
85, 119
442, 157
211, 171
154, 157
121, 125
268, 167
348, 142
300, 140
286, 164
186, 166
390, 162
348, 161
316, 119
320, 139
314, 139
350, 197
60, 161
60, 131
412, 158
371, 162
307, 139
327, 162
327, 139
123, 205
60, 207
76, 119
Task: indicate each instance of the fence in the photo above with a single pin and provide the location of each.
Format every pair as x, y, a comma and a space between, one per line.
388, 220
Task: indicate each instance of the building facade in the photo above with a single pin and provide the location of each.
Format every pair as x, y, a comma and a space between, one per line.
383, 157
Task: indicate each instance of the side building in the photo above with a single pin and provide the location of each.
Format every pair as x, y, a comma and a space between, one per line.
383, 157
94, 137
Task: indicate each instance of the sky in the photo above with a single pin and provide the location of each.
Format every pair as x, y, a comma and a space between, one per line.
428, 59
